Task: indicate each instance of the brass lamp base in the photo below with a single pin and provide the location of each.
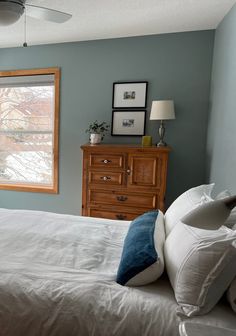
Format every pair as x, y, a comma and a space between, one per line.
161, 132
161, 143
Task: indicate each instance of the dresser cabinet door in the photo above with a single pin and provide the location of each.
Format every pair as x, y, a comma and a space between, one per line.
144, 171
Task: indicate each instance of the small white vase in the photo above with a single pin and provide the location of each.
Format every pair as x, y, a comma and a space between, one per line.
95, 138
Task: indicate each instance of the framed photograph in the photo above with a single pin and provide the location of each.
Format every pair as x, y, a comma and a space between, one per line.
128, 95
130, 123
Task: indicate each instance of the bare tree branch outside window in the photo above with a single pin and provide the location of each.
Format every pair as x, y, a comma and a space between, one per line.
26, 134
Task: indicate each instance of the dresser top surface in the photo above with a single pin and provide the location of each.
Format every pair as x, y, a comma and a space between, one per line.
125, 146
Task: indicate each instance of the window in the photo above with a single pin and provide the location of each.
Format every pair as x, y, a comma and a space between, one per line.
29, 104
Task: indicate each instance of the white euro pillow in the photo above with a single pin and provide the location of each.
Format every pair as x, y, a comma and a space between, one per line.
186, 202
201, 265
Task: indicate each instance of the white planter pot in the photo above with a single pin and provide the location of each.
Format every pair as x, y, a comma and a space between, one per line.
95, 138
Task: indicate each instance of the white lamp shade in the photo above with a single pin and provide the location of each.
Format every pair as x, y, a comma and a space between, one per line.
162, 110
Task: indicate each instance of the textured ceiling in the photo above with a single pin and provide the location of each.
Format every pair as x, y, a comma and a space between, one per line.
102, 19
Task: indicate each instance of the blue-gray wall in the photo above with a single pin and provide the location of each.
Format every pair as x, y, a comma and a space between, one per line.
221, 144
177, 66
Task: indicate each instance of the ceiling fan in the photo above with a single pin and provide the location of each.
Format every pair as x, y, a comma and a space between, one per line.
12, 10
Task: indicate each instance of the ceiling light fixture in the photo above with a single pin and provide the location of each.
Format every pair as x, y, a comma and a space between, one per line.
10, 11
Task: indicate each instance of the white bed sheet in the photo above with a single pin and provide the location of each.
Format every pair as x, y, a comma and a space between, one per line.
57, 278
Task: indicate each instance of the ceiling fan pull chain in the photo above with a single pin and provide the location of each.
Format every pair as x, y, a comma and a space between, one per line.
25, 45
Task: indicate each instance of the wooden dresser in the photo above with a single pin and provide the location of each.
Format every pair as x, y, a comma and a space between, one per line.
123, 181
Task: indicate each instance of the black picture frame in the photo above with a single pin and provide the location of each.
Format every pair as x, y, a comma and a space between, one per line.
123, 122
132, 87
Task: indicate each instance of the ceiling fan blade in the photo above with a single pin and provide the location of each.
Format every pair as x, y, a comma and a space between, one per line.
43, 13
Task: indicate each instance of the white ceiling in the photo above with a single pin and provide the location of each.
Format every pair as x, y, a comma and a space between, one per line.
102, 19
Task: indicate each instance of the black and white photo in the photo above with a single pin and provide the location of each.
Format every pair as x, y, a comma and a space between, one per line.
131, 123
128, 123
128, 95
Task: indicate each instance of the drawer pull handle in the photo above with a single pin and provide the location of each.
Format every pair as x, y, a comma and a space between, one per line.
121, 217
106, 161
105, 178
128, 171
121, 198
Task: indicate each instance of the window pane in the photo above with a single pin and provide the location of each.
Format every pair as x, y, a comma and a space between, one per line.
27, 138
26, 108
26, 158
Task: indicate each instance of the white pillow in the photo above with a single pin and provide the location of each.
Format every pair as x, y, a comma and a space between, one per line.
201, 265
231, 220
223, 194
231, 295
185, 203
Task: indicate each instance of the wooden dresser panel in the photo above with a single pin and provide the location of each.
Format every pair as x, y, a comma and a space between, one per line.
121, 215
111, 214
106, 178
138, 200
145, 171
110, 161
123, 181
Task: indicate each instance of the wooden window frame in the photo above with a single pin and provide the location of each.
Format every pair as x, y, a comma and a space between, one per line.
34, 187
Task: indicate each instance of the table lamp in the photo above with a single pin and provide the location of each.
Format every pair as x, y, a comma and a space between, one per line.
162, 110
210, 216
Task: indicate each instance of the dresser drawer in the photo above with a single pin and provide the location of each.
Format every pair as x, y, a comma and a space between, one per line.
106, 178
136, 200
112, 215
106, 160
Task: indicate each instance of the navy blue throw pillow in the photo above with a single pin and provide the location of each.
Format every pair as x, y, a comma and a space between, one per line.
139, 252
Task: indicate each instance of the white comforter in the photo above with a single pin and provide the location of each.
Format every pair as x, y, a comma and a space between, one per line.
57, 277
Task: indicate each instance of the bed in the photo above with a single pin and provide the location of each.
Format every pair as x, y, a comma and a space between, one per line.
57, 277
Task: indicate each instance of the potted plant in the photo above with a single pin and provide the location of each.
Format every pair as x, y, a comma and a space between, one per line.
97, 131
